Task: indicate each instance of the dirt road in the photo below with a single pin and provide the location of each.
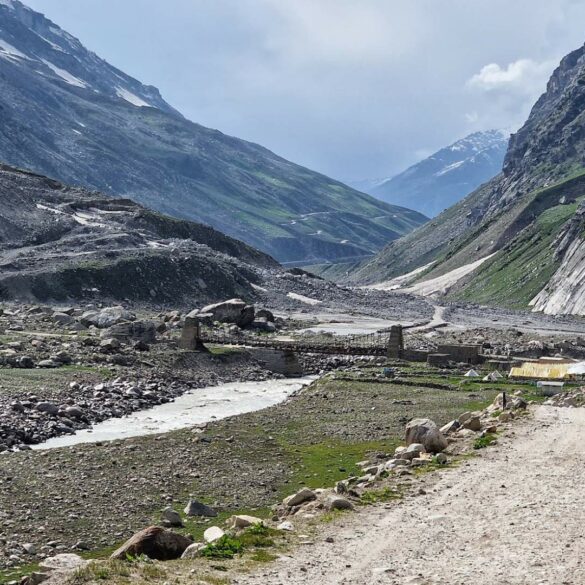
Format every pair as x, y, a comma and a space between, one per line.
513, 516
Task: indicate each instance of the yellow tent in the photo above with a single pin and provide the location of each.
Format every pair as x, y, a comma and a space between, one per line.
542, 371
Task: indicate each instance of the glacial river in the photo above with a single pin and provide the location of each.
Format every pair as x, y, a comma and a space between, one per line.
192, 408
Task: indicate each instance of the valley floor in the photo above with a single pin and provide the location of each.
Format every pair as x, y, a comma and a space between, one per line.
513, 516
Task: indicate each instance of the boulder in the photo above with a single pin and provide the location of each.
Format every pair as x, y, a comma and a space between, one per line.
171, 518
412, 451
232, 311
518, 403
25, 362
463, 418
48, 407
265, 314
425, 432
243, 521
212, 534
63, 319
73, 412
144, 331
473, 423
247, 317
195, 508
226, 312
451, 427
109, 345
106, 317
193, 550
505, 417
441, 458
305, 495
48, 364
335, 502
154, 542
286, 526
62, 562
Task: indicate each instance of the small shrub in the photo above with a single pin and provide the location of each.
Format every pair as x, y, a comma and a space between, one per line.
225, 547
258, 535
485, 441
260, 529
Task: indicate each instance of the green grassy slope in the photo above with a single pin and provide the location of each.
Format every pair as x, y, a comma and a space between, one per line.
521, 269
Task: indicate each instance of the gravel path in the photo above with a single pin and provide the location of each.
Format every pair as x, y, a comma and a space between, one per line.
513, 516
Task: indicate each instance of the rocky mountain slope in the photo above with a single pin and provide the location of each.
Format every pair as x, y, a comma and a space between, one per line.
68, 114
443, 179
523, 227
61, 243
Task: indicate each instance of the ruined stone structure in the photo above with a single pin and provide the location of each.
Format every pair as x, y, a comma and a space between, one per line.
396, 342
191, 334
468, 354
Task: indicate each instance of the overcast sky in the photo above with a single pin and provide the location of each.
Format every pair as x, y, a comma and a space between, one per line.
353, 88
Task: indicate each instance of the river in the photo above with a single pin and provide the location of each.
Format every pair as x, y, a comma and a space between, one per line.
195, 407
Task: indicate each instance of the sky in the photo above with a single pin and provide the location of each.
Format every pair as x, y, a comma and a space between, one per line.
355, 89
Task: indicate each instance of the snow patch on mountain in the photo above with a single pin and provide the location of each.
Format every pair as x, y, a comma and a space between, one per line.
450, 168
65, 75
10, 52
132, 98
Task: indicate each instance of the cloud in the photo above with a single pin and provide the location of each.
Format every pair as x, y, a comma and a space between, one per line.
524, 76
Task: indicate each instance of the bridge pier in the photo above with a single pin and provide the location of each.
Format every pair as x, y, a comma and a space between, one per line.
191, 335
396, 342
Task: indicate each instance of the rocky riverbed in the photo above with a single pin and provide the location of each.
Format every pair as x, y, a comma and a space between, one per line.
100, 494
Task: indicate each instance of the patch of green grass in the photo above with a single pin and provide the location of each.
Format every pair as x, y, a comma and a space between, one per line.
215, 580
263, 556
10, 575
485, 441
522, 268
223, 350
386, 494
331, 516
324, 464
227, 547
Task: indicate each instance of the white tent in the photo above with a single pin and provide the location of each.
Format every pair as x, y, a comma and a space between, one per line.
472, 374
577, 369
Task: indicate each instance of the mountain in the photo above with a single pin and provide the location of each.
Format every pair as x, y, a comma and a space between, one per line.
443, 179
68, 114
59, 242
517, 240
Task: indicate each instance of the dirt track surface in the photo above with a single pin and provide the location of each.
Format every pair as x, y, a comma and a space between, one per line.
512, 516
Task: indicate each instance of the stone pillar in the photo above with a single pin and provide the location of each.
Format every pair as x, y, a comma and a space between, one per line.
191, 334
396, 342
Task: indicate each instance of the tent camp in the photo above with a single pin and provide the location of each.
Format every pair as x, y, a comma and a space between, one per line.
542, 371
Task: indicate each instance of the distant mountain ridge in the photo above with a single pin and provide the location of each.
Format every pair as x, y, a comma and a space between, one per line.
70, 115
441, 180
518, 240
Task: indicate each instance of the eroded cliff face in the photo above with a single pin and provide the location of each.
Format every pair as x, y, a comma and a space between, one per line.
565, 292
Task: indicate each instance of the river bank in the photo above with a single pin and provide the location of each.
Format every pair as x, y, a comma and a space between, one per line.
99, 494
